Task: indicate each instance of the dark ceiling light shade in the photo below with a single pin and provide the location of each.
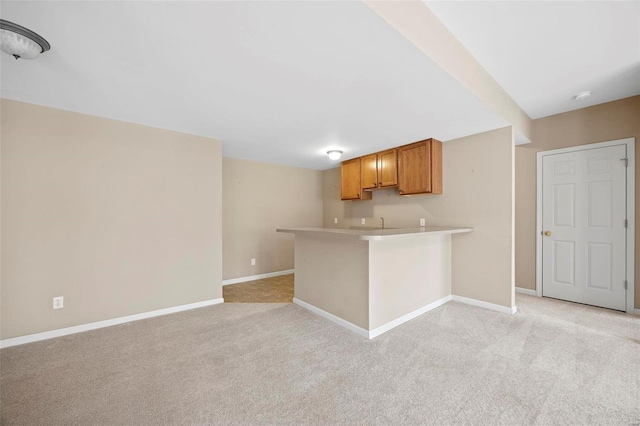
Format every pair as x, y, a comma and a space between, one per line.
21, 42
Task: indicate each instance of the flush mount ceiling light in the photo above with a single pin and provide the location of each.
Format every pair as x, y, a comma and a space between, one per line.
21, 42
582, 95
334, 154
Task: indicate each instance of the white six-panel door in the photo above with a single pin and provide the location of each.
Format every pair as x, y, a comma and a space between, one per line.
583, 225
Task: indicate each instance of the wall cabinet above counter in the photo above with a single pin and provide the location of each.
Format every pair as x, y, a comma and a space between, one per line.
420, 168
350, 178
415, 169
380, 170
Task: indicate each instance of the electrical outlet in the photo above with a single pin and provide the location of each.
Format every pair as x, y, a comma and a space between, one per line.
362, 221
253, 262
335, 220
58, 302
422, 222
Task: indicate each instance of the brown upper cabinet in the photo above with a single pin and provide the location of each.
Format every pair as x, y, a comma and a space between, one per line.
416, 169
369, 171
420, 168
388, 168
380, 170
350, 187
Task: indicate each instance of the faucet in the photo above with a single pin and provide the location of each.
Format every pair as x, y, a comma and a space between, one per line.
382, 221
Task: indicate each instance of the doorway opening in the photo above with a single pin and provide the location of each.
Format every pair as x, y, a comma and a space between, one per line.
277, 289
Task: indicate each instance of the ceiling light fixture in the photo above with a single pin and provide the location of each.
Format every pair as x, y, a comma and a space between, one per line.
582, 95
21, 42
334, 154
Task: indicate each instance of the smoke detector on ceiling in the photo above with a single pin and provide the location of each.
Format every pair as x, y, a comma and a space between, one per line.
582, 95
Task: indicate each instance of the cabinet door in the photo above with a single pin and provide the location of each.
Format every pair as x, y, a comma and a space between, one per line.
420, 168
387, 168
414, 168
369, 171
350, 180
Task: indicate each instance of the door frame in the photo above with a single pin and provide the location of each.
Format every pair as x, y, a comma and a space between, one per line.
631, 208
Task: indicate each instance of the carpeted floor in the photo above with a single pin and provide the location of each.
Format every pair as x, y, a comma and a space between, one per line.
267, 290
551, 363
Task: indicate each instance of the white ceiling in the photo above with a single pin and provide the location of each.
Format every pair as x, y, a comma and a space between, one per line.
544, 52
283, 82
279, 82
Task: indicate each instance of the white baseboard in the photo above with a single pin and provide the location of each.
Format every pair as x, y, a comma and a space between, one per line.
376, 331
411, 315
101, 324
486, 305
636, 311
257, 277
346, 324
526, 291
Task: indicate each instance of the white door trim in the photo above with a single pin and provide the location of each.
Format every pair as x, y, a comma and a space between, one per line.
631, 203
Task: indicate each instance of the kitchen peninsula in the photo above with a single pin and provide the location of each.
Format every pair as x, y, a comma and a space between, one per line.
371, 281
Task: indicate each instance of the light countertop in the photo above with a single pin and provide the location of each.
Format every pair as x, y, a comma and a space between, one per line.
377, 233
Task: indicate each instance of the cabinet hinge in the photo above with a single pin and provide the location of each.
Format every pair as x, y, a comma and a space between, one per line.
626, 223
626, 161
625, 284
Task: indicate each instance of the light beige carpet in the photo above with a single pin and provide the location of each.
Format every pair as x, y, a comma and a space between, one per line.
551, 363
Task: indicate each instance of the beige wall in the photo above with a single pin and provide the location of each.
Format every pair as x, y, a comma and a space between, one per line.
371, 283
257, 199
322, 286
478, 192
117, 218
407, 274
600, 123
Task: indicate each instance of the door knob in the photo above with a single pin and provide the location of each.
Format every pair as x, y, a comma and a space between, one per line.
547, 233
